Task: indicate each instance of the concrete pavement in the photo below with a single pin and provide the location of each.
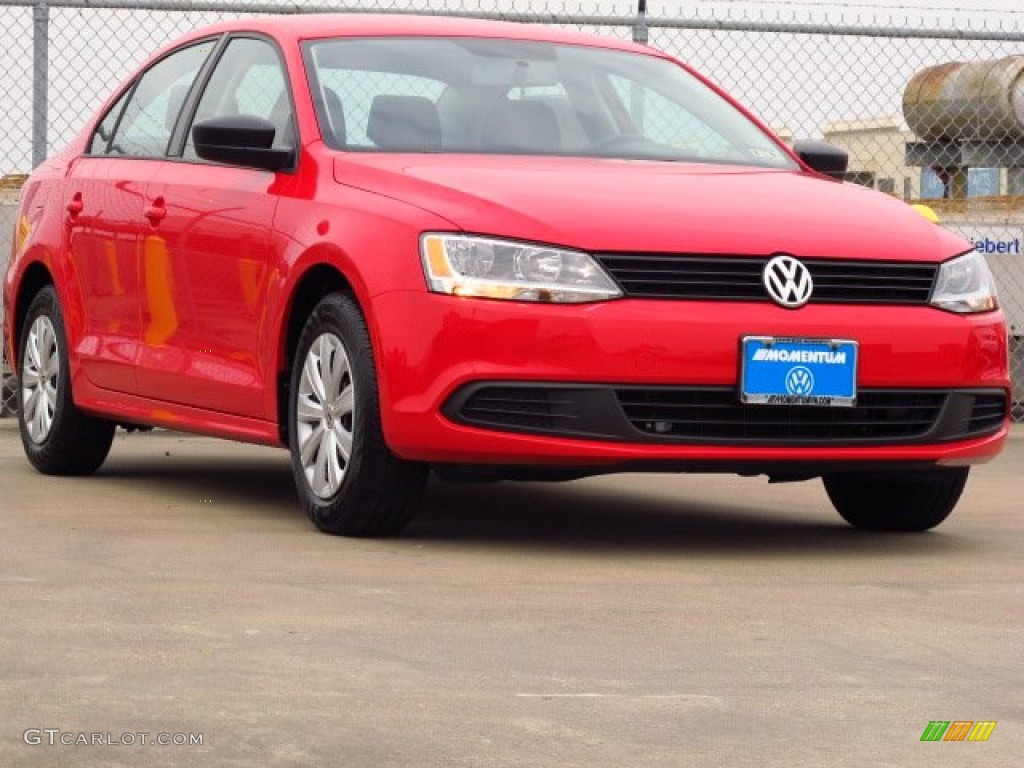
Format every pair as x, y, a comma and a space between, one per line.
619, 621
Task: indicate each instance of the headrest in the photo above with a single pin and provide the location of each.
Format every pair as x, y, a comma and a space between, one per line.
335, 115
404, 124
522, 126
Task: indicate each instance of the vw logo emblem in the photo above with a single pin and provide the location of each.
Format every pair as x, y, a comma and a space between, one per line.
800, 381
788, 281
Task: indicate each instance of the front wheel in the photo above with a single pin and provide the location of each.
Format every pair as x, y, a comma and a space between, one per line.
58, 438
880, 501
348, 480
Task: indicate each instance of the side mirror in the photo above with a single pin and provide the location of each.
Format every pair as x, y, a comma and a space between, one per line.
243, 140
823, 158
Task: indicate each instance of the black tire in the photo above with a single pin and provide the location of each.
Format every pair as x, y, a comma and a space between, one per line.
72, 443
377, 493
880, 501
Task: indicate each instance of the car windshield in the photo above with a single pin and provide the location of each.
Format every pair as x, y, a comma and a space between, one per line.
499, 96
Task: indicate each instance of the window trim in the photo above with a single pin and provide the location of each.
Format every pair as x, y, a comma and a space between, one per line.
126, 94
312, 80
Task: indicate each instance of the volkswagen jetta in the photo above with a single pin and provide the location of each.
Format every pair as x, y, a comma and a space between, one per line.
392, 244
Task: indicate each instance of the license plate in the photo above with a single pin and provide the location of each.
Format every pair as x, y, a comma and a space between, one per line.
819, 372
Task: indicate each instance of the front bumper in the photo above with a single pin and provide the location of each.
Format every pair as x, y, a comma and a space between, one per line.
432, 348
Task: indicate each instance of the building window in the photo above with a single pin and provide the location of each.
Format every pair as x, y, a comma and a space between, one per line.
932, 187
981, 182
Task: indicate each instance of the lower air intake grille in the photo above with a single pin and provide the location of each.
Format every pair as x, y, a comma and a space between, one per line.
715, 416
886, 415
988, 413
716, 413
516, 407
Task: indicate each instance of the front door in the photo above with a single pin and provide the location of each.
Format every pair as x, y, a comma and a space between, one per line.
206, 265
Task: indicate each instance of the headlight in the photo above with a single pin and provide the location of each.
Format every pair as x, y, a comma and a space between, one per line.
965, 285
462, 265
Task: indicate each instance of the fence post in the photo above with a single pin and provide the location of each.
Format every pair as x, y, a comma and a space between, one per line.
40, 78
640, 31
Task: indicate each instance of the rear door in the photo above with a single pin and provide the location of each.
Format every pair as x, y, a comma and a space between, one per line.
107, 223
215, 244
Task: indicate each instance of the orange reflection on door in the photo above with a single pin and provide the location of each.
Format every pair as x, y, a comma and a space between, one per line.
163, 316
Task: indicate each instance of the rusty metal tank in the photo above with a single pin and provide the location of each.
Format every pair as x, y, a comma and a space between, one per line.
972, 101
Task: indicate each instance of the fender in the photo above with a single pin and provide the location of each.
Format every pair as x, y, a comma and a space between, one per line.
344, 233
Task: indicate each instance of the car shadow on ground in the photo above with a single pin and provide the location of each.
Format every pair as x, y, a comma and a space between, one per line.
582, 516
595, 518
253, 485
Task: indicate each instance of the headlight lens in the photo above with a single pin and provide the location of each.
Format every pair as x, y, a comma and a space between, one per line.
463, 265
965, 285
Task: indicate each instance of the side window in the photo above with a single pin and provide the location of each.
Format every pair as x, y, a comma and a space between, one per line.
248, 80
148, 121
100, 140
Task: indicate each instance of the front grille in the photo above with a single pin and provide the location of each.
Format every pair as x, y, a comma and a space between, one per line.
710, 277
715, 416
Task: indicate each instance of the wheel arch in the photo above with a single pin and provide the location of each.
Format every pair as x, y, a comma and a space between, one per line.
35, 277
320, 279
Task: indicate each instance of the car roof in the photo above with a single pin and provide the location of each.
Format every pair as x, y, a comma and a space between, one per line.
294, 28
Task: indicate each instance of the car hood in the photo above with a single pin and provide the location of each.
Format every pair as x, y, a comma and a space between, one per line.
633, 205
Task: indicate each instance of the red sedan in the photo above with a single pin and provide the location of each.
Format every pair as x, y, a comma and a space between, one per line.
392, 244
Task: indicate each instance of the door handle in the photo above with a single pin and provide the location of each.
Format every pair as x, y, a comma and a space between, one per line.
156, 211
75, 205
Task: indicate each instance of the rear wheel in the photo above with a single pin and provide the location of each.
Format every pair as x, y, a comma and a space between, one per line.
896, 502
58, 438
348, 480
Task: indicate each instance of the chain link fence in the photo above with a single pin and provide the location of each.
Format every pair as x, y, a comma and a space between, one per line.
928, 103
